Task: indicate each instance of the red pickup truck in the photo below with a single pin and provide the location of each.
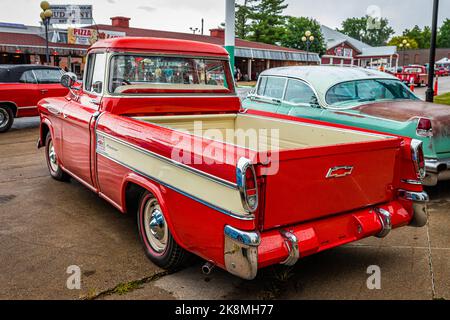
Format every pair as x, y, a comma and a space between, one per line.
414, 74
21, 88
158, 131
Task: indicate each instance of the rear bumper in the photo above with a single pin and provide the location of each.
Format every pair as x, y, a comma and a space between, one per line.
437, 170
246, 252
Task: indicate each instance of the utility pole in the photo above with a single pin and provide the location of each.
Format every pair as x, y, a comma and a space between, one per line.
430, 90
230, 30
203, 26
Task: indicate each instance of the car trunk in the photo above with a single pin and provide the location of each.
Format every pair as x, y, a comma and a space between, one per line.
322, 170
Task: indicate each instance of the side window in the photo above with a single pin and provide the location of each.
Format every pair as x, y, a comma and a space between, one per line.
298, 92
28, 77
262, 86
95, 75
48, 76
275, 88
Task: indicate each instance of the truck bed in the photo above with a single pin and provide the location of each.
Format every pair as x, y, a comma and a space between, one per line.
292, 135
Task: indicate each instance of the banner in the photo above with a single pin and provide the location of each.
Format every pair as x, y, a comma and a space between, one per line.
85, 37
107, 34
72, 14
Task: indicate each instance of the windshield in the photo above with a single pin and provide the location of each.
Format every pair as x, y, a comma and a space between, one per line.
356, 92
132, 74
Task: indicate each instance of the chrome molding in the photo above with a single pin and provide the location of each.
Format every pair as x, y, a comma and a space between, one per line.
241, 169
413, 182
291, 242
386, 222
241, 252
210, 205
416, 148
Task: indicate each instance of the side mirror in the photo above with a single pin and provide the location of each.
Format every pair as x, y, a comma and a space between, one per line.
69, 80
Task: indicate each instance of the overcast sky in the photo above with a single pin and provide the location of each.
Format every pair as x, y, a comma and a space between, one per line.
179, 15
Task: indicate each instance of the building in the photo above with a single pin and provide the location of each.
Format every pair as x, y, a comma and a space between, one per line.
23, 44
422, 56
345, 50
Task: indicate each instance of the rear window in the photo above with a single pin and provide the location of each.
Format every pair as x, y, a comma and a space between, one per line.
136, 74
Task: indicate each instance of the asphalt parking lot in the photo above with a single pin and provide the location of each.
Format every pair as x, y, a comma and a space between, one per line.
47, 226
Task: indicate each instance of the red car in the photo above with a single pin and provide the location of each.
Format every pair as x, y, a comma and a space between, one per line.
442, 72
21, 88
414, 74
157, 130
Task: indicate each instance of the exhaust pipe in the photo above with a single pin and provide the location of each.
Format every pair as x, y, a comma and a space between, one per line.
208, 268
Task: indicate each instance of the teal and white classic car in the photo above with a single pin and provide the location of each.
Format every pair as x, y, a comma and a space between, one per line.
360, 98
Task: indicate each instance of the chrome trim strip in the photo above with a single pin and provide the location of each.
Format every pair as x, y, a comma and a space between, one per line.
414, 196
413, 182
291, 242
416, 148
26, 108
221, 210
203, 174
252, 239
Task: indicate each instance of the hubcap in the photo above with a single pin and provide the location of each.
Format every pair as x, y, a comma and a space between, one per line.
4, 117
155, 226
52, 157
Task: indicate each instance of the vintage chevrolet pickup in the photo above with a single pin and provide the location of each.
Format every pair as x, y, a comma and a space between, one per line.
157, 129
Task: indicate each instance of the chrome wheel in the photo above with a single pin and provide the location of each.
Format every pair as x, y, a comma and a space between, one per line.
4, 118
53, 159
155, 226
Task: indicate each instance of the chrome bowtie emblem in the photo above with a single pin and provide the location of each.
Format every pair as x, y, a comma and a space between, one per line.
339, 172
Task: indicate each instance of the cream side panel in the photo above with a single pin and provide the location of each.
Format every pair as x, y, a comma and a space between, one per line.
197, 186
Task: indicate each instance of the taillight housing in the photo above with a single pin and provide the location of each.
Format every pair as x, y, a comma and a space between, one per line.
424, 127
247, 184
418, 158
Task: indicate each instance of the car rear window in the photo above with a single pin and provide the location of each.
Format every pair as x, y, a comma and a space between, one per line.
144, 74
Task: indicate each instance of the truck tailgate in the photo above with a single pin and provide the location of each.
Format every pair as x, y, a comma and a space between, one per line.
316, 186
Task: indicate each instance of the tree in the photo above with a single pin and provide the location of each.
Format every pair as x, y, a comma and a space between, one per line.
295, 30
243, 15
374, 32
422, 37
444, 35
396, 41
267, 21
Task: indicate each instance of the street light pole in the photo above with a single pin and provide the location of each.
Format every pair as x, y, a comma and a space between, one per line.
308, 38
230, 31
46, 16
430, 90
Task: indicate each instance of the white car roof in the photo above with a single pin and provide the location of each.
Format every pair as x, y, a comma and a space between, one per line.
322, 78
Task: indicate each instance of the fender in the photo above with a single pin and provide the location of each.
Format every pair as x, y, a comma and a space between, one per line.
14, 106
155, 189
48, 123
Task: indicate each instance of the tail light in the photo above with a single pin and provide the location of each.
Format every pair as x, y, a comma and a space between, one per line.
247, 184
418, 158
424, 127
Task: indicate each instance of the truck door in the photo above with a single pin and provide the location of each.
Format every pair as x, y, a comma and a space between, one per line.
78, 117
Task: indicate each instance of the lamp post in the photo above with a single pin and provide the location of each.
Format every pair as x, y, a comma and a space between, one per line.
405, 45
430, 90
46, 16
308, 39
194, 30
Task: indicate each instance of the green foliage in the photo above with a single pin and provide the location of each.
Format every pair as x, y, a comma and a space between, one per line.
421, 37
374, 32
244, 12
443, 99
295, 30
267, 21
396, 41
444, 35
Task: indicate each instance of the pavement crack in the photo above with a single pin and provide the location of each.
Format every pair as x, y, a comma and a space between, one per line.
430, 261
126, 287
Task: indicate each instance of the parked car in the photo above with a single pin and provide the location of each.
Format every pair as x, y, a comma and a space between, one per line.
414, 74
168, 146
360, 98
21, 88
442, 72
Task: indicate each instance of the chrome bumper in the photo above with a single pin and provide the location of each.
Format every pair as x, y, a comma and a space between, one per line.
437, 170
420, 206
241, 252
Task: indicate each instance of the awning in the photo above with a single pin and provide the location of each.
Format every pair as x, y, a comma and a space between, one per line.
276, 55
